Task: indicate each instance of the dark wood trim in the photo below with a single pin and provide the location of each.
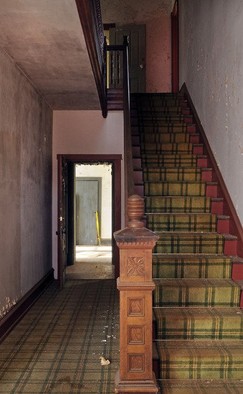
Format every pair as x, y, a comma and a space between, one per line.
108, 26
90, 18
8, 322
229, 209
115, 160
71, 236
128, 162
175, 48
132, 240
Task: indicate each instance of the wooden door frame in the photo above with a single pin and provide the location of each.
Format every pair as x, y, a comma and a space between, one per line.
175, 48
115, 161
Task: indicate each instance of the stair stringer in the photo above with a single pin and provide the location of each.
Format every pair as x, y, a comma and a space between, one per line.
229, 209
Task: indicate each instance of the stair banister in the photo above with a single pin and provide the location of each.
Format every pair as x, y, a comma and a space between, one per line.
119, 78
135, 284
128, 160
91, 21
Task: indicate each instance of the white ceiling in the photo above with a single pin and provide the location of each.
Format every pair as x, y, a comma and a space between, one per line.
44, 38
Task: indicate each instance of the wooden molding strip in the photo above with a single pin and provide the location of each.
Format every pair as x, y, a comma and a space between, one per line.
19, 310
91, 22
229, 209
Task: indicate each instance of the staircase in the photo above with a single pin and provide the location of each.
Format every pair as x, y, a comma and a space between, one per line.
198, 323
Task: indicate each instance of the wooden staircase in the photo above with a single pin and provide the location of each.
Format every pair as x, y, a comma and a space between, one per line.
198, 322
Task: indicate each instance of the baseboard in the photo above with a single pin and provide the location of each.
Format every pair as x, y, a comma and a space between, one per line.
22, 306
229, 209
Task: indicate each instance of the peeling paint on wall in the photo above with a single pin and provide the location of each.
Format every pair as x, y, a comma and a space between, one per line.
211, 60
9, 304
25, 185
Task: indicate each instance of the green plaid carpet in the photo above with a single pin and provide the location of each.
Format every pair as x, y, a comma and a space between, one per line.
198, 386
198, 324
56, 347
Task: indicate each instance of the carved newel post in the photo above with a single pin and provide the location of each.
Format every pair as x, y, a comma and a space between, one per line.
135, 284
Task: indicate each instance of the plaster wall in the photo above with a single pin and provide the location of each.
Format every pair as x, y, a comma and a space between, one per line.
158, 54
84, 132
25, 185
211, 64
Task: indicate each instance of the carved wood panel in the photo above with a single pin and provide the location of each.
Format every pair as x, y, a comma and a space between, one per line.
136, 362
135, 306
136, 335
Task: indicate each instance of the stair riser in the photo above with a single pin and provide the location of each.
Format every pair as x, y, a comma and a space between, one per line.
207, 175
187, 222
187, 245
178, 204
195, 386
212, 190
230, 247
191, 270
164, 138
191, 297
172, 148
237, 271
223, 226
220, 329
217, 207
174, 188
202, 162
201, 370
165, 148
182, 222
174, 176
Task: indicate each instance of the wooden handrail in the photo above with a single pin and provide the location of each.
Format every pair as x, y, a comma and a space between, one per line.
129, 180
128, 160
91, 21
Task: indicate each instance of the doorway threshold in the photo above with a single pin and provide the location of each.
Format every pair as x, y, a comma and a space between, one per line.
93, 254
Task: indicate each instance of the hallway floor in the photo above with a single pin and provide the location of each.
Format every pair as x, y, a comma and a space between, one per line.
92, 262
56, 347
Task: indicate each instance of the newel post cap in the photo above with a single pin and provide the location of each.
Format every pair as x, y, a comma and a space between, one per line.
135, 231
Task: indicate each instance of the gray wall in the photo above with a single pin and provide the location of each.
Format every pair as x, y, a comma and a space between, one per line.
25, 185
211, 64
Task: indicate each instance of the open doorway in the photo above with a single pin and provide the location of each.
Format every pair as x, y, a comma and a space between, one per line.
93, 173
92, 222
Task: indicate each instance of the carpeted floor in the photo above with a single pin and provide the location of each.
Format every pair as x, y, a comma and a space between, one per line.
198, 323
56, 347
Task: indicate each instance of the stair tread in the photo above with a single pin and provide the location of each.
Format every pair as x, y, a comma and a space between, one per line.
195, 282
199, 386
198, 312
193, 234
175, 169
200, 359
183, 182
198, 323
194, 296
203, 344
194, 256
180, 214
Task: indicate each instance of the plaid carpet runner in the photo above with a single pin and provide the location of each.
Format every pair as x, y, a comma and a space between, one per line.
197, 319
